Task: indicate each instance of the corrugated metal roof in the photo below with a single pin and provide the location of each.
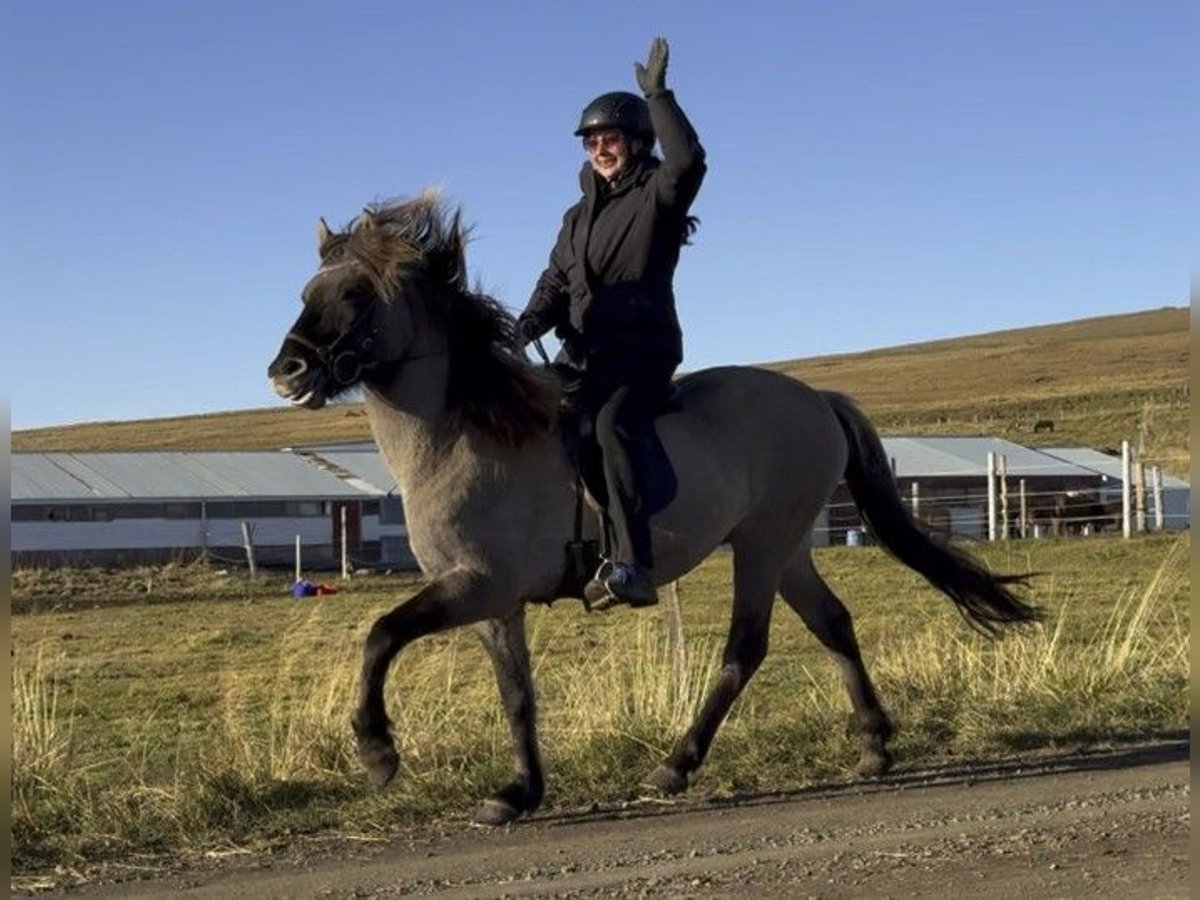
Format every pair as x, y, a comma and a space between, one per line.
161, 476
914, 457
925, 457
365, 464
169, 475
1103, 463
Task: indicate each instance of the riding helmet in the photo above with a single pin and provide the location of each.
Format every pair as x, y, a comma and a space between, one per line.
617, 109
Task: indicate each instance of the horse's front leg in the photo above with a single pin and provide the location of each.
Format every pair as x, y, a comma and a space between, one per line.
457, 598
509, 652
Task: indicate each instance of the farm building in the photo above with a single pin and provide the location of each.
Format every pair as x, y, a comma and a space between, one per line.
135, 507
944, 480
1176, 493
950, 475
140, 507
361, 464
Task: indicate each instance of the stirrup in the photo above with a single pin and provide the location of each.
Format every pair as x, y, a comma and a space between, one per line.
596, 594
608, 589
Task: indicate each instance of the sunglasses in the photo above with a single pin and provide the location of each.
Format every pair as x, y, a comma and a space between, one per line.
608, 141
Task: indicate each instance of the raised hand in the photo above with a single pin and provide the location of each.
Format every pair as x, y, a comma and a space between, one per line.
652, 77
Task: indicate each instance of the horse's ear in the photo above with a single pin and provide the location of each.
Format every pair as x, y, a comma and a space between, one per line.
366, 221
455, 259
324, 233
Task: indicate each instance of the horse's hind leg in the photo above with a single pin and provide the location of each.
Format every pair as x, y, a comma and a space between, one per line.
509, 652
826, 616
753, 595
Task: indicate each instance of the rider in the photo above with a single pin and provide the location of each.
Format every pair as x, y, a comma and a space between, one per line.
607, 292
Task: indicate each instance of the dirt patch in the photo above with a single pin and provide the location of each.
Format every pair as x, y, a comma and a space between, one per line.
1110, 824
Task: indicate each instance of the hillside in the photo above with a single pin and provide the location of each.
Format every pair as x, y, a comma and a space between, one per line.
1100, 381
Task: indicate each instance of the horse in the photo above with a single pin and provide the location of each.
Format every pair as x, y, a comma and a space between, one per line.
1077, 512
470, 429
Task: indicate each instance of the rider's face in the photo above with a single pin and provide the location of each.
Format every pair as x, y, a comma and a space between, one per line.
607, 150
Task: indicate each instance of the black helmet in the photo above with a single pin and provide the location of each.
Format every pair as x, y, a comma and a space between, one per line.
618, 109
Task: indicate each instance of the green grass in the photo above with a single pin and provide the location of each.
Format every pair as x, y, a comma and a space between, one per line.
212, 712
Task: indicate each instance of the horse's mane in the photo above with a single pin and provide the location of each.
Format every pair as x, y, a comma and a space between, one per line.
491, 384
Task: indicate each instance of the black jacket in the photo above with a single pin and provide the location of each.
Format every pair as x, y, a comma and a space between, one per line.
608, 287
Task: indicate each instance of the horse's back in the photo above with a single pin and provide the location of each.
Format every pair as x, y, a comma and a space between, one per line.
752, 449
761, 411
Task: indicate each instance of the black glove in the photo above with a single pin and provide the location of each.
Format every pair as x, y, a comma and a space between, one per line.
525, 332
652, 77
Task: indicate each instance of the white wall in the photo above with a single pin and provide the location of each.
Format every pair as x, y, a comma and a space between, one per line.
166, 534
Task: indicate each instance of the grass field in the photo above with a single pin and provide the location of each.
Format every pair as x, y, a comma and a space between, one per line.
163, 713
1100, 381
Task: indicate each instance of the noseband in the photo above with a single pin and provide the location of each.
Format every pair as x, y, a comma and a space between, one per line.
345, 364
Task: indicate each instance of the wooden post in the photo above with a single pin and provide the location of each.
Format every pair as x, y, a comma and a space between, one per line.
1003, 474
1139, 497
1126, 488
673, 613
345, 548
297, 557
1024, 510
248, 543
991, 495
1157, 490
204, 530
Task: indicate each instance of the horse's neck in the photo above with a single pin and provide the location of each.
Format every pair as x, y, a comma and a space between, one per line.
410, 421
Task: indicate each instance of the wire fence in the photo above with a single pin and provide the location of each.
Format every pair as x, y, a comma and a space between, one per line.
1033, 499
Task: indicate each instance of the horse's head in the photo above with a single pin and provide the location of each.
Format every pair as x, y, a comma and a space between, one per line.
365, 309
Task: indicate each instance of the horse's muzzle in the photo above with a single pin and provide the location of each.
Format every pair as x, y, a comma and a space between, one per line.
295, 381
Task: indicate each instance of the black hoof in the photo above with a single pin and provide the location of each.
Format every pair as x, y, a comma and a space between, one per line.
875, 763
665, 781
494, 812
380, 759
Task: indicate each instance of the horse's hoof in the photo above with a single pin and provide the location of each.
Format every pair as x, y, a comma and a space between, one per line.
381, 761
874, 764
494, 812
665, 781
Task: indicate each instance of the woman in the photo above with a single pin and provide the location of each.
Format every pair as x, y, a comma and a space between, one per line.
607, 292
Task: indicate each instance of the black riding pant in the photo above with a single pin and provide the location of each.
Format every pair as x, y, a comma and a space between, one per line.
621, 397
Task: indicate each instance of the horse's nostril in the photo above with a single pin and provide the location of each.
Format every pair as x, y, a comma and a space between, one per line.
291, 367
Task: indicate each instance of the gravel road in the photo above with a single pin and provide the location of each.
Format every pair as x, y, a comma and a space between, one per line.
1114, 823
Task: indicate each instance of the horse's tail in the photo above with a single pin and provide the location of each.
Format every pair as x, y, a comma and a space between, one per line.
983, 598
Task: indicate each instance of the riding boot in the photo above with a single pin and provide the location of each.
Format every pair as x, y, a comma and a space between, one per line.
620, 583
631, 583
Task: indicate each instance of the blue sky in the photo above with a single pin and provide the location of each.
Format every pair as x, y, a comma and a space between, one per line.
880, 173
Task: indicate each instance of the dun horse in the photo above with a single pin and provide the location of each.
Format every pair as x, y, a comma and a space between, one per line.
469, 428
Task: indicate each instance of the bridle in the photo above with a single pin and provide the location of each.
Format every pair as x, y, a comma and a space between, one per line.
345, 364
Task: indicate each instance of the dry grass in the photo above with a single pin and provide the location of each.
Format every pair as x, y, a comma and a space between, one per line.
195, 723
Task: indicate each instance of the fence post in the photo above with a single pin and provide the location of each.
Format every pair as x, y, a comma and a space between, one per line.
1024, 510
1139, 497
248, 543
991, 495
345, 550
1157, 489
1126, 517
297, 557
204, 530
673, 613
1003, 473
